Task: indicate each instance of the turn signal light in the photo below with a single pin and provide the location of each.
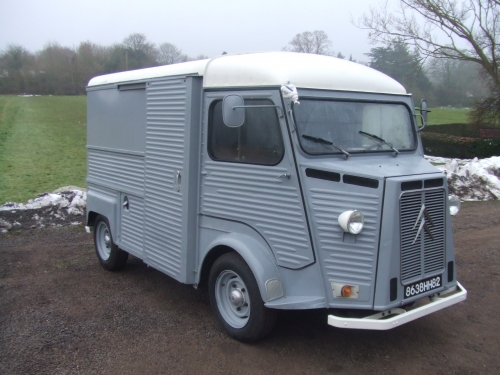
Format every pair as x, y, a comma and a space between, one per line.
342, 290
346, 291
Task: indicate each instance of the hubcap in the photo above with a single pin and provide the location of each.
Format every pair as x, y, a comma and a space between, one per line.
237, 298
103, 240
107, 240
232, 299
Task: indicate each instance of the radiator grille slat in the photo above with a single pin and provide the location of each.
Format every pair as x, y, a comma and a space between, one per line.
422, 224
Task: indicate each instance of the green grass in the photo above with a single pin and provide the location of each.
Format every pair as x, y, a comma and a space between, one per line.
42, 145
446, 115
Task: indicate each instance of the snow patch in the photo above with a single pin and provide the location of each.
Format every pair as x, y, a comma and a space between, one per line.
471, 179
65, 206
74, 201
78, 204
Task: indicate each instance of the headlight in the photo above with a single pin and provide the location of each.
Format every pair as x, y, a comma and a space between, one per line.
352, 221
454, 204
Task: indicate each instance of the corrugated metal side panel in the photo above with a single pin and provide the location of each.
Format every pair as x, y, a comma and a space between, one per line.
116, 170
132, 225
255, 196
166, 125
350, 262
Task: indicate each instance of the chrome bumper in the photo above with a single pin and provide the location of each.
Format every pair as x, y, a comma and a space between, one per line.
392, 318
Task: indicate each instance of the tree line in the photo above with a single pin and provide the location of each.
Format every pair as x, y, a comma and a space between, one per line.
455, 31
58, 70
446, 51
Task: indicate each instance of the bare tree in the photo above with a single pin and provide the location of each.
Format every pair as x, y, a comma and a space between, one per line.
15, 57
91, 61
138, 42
456, 82
170, 54
61, 70
316, 42
448, 29
139, 53
16, 64
454, 29
58, 65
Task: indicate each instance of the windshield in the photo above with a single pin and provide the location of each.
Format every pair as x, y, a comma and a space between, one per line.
330, 127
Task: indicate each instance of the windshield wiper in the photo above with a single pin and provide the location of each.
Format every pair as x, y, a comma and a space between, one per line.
380, 140
325, 142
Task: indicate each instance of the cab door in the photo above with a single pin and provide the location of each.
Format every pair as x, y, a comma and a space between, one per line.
248, 175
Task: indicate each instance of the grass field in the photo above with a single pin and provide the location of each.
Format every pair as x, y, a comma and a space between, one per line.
42, 145
447, 115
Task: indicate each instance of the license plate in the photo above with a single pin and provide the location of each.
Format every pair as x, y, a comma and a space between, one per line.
423, 286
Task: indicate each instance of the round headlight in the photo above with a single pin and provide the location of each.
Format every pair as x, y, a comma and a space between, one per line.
352, 221
454, 204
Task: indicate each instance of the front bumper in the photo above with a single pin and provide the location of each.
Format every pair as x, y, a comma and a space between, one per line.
395, 317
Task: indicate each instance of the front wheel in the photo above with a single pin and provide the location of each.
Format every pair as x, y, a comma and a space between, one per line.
236, 301
109, 254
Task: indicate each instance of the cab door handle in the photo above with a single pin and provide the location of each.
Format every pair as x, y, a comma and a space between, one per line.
177, 181
285, 175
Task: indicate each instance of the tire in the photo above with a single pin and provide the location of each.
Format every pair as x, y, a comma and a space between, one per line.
109, 254
236, 301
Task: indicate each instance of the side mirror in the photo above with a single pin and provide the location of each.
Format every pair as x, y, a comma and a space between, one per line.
423, 114
233, 111
423, 111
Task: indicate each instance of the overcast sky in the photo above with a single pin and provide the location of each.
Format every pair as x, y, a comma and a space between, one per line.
195, 26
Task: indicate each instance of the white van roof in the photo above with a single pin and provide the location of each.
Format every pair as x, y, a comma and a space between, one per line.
269, 69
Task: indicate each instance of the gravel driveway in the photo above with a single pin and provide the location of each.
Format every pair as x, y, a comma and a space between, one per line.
61, 313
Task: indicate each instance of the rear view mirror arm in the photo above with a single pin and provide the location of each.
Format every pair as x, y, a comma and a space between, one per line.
423, 114
425, 123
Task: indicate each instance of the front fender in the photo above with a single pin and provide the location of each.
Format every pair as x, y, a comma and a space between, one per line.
258, 258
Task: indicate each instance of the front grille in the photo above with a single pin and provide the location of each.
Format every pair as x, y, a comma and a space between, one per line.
422, 216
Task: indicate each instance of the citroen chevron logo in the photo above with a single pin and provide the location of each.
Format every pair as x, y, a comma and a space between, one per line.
423, 224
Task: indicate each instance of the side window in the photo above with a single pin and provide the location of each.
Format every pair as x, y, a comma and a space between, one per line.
257, 141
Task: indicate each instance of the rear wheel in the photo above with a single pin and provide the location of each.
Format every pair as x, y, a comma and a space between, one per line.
236, 301
109, 254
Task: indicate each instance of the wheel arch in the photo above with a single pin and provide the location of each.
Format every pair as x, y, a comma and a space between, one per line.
91, 216
99, 203
257, 257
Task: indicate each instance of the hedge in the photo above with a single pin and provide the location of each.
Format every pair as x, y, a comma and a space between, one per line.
460, 130
451, 146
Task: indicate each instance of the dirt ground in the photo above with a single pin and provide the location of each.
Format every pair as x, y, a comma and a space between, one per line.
61, 313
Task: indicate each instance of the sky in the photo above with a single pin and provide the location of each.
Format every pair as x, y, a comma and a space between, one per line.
194, 26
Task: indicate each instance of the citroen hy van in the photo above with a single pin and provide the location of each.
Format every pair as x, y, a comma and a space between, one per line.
280, 181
